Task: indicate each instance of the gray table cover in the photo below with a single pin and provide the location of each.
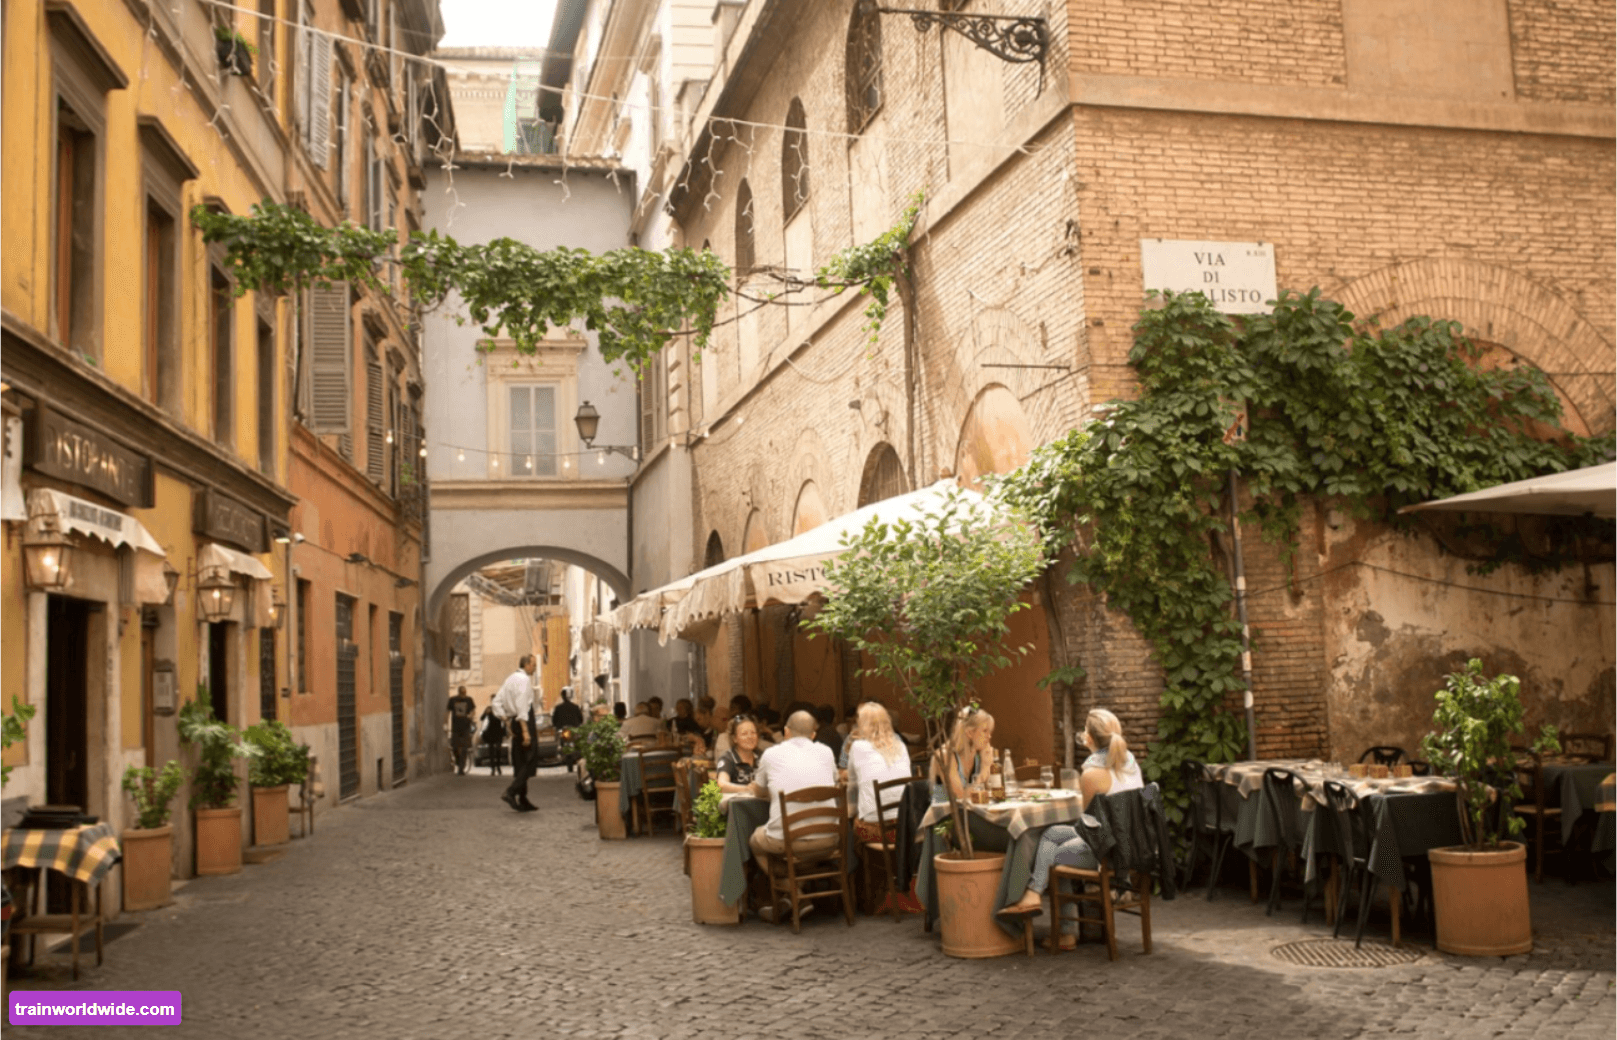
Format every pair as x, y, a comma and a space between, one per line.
1578, 787
1605, 839
743, 816
1400, 825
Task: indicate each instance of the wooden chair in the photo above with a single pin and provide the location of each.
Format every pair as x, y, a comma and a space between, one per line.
887, 816
823, 862
658, 788
1529, 773
1384, 755
308, 793
1094, 888
1587, 747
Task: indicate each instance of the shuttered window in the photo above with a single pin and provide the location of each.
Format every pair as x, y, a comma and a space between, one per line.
344, 146
314, 95
329, 329
375, 215
375, 416
653, 404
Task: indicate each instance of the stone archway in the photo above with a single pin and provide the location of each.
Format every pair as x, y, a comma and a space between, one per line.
1499, 307
809, 512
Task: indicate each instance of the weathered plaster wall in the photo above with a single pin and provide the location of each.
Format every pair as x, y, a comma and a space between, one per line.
1390, 638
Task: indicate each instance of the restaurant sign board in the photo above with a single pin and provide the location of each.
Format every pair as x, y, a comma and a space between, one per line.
1236, 277
225, 520
59, 447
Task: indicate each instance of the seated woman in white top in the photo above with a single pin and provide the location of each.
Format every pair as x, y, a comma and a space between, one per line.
1109, 769
875, 755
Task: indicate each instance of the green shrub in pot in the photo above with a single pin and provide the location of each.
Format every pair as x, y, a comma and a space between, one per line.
153, 792
219, 745
281, 760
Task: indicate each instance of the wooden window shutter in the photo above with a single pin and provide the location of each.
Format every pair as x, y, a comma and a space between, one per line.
320, 90
305, 63
329, 331
375, 449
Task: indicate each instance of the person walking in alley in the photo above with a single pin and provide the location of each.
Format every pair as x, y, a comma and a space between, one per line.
514, 704
462, 726
566, 713
492, 728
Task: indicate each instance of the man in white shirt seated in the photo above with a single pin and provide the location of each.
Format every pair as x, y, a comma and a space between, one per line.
797, 763
641, 724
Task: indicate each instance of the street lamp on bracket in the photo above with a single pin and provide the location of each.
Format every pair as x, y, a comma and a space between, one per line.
588, 421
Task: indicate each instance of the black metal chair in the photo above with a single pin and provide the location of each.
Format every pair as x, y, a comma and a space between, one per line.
1285, 807
1353, 841
1419, 768
1206, 816
1384, 755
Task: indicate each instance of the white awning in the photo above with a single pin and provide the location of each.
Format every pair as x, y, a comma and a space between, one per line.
792, 571
1574, 493
214, 555
81, 516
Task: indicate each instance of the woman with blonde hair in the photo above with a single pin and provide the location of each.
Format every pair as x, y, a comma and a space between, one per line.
1109, 769
875, 756
968, 757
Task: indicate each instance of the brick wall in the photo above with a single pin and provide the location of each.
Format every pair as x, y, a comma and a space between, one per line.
1247, 41
1563, 50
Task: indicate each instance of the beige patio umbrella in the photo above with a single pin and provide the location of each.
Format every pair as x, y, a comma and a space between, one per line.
1574, 493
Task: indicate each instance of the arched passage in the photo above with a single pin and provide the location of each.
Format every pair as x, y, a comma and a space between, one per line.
614, 578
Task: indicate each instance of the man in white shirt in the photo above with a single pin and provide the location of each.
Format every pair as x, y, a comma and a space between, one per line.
514, 704
797, 763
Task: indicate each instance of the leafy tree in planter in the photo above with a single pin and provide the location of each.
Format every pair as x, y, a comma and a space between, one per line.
601, 746
219, 745
929, 600
281, 759
1476, 720
707, 813
153, 792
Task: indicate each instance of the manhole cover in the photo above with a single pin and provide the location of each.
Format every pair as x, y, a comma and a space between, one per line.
1335, 953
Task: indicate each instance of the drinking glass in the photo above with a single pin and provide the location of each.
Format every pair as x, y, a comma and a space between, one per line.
1012, 787
1047, 776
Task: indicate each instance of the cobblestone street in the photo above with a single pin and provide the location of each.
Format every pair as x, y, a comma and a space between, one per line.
435, 912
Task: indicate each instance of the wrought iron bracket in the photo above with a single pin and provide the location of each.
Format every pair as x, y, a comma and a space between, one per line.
1011, 38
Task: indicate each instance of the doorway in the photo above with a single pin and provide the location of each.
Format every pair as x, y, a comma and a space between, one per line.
67, 702
347, 700
219, 669
148, 674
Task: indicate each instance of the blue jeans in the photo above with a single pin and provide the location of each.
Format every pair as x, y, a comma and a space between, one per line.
1055, 839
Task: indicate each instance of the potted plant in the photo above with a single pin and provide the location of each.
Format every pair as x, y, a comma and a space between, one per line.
704, 858
928, 600
601, 746
234, 52
213, 784
13, 728
281, 761
148, 847
1479, 889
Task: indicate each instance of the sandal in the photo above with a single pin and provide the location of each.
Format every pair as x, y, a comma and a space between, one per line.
1018, 910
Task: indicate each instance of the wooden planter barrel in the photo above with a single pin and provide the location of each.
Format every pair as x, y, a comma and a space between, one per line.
219, 840
148, 857
607, 819
1480, 900
271, 824
706, 859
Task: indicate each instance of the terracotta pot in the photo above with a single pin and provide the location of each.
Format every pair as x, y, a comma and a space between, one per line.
705, 862
607, 819
966, 893
270, 820
219, 840
148, 860
1480, 899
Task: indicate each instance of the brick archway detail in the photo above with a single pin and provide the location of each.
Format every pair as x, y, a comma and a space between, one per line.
1498, 305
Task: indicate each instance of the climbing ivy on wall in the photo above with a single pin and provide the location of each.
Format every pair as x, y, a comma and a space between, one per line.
1367, 418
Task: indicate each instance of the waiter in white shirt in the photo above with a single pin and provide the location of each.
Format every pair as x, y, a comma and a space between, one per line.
514, 704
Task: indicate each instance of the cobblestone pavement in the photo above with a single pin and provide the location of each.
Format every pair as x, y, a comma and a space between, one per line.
435, 912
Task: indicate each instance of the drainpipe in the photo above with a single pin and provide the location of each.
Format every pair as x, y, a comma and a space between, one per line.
1240, 609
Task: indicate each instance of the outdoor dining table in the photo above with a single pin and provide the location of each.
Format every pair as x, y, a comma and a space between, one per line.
1011, 827
85, 855
630, 782
1575, 788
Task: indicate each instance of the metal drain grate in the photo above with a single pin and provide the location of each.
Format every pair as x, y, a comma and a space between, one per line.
1334, 953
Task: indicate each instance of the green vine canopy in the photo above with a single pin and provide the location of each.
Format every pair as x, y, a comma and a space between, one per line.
635, 300
1367, 418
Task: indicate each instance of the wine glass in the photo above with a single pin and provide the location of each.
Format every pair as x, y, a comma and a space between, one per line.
1047, 776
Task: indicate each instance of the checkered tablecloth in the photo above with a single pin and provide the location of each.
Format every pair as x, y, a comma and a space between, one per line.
1016, 817
82, 853
1247, 777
